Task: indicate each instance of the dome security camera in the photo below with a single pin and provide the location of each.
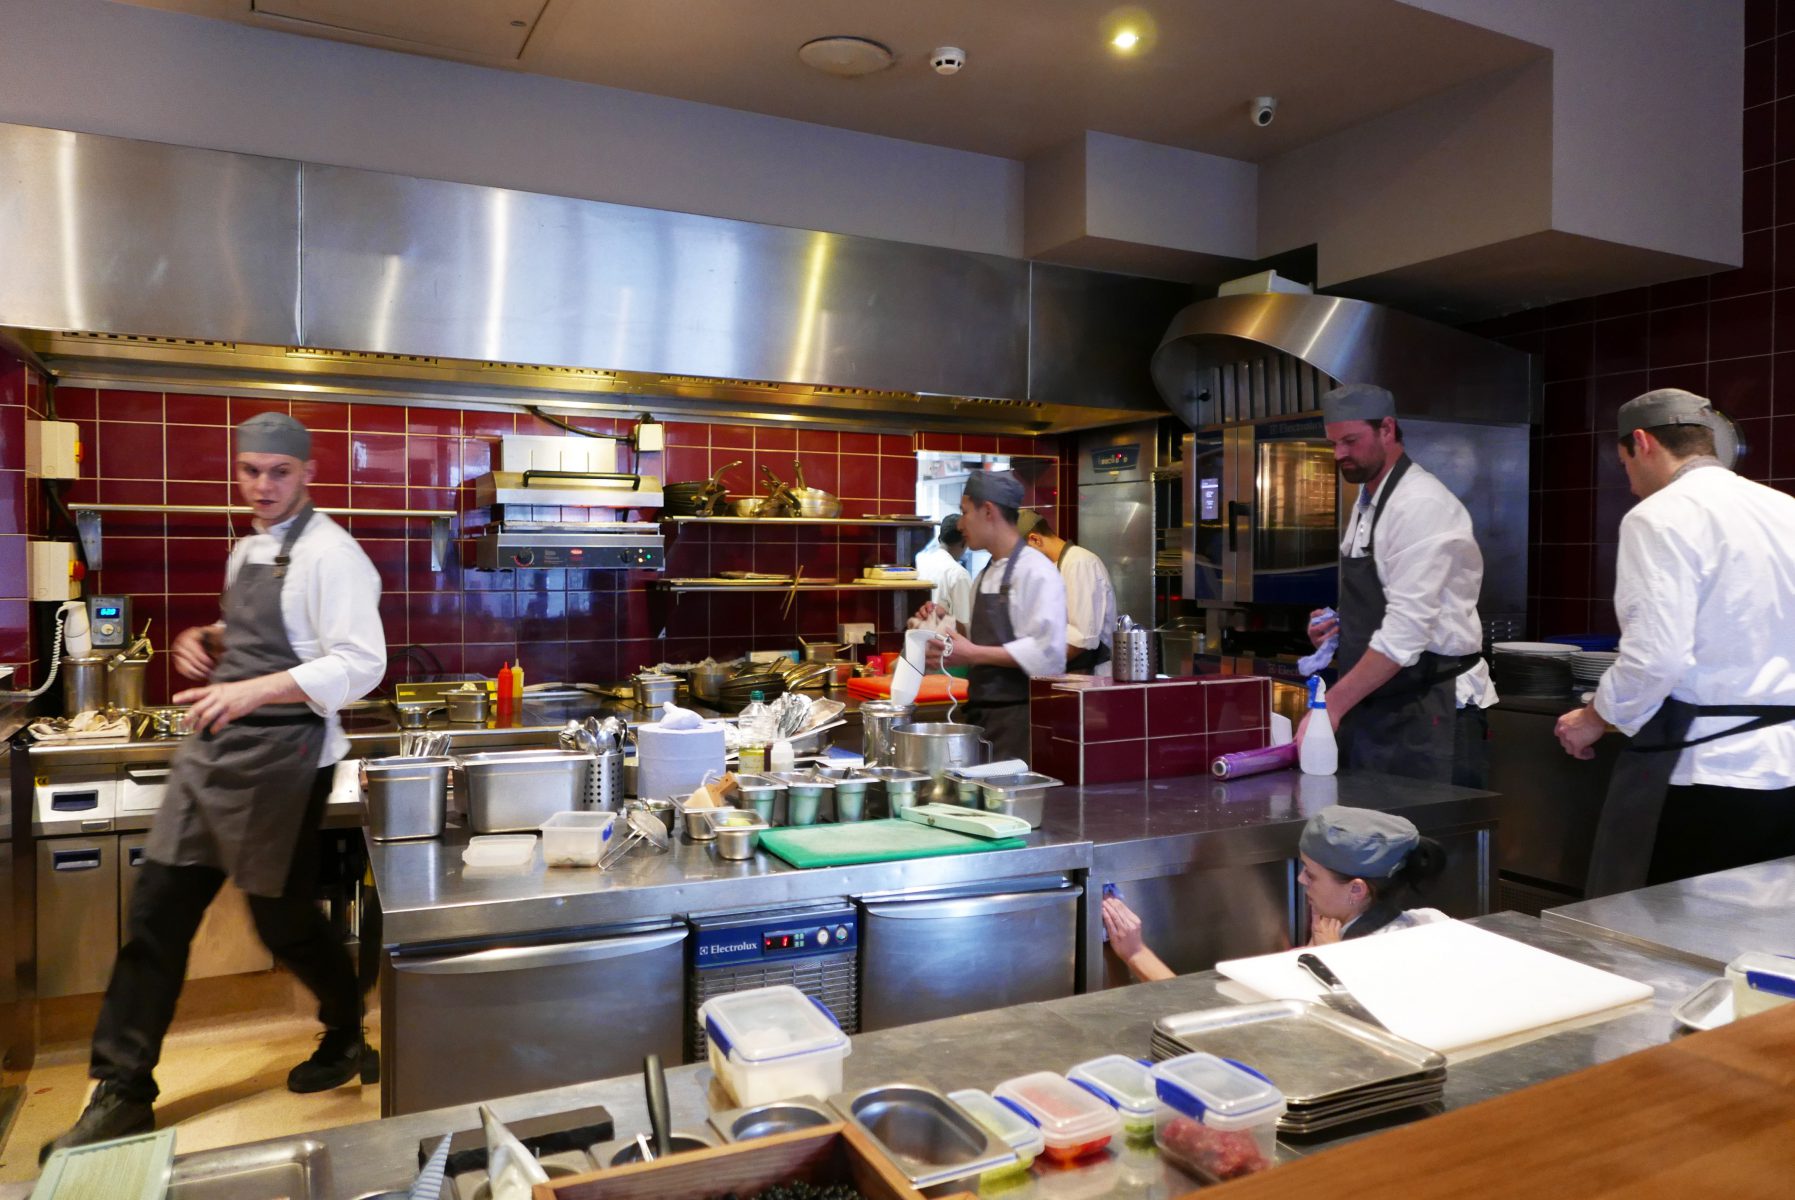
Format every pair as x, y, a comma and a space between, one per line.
947, 60
1263, 110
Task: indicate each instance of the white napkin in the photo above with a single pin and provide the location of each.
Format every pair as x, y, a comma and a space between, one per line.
513, 1171
675, 717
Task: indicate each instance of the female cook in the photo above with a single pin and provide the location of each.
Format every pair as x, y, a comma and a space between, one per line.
1359, 867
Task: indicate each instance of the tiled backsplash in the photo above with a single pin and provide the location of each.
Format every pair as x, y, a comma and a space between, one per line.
174, 448
1728, 336
21, 512
1093, 731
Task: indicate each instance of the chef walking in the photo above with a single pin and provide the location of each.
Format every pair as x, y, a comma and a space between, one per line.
1705, 682
1090, 596
299, 637
1018, 626
1412, 682
939, 563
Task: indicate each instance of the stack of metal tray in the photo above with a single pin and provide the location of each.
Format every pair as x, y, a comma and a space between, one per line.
1331, 1068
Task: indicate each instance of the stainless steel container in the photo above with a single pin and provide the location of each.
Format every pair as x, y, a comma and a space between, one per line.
878, 718
935, 748
898, 789
516, 791
407, 797
1021, 795
124, 682
83, 682
764, 796
653, 691
737, 834
806, 792
1132, 652
467, 704
414, 715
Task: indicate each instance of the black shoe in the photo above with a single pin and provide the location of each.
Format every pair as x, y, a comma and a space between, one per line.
108, 1115
342, 1055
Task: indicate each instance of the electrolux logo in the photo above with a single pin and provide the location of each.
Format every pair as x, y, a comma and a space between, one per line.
711, 949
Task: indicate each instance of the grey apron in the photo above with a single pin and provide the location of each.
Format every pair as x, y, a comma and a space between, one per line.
997, 697
1408, 726
1377, 914
1085, 661
236, 799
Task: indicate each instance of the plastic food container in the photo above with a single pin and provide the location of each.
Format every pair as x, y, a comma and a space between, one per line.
1216, 1119
1005, 1124
773, 1043
1760, 981
576, 839
1126, 1085
1074, 1124
501, 850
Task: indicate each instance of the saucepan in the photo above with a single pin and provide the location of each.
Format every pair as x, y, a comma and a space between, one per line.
812, 502
935, 748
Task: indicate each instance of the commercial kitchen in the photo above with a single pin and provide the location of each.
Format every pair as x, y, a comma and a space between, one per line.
649, 353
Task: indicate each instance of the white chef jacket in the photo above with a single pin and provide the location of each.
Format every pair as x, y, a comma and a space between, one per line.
1705, 592
330, 605
1090, 601
1037, 609
1408, 918
1432, 571
953, 583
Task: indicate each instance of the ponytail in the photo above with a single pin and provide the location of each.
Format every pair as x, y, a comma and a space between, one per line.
1424, 864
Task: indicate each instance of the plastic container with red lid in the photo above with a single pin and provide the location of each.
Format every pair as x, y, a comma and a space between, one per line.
1074, 1123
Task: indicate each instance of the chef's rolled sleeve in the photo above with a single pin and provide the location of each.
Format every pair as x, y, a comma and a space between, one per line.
343, 603
1414, 574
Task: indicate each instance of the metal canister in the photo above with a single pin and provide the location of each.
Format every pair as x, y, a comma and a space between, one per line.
124, 682
604, 786
877, 719
83, 682
1132, 651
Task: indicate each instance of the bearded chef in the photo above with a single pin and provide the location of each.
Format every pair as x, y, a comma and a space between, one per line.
1018, 626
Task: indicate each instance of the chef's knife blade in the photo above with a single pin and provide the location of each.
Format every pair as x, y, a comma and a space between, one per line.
1337, 997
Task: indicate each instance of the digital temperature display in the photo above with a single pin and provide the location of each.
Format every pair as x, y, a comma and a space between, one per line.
775, 942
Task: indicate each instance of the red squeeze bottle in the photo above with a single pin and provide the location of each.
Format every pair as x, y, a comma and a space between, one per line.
505, 694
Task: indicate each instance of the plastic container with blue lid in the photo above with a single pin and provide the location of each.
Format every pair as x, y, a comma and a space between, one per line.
1760, 981
1006, 1124
1074, 1124
773, 1043
1217, 1119
1126, 1085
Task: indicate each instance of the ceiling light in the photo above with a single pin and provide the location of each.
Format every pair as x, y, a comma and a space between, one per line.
1125, 40
1129, 31
846, 57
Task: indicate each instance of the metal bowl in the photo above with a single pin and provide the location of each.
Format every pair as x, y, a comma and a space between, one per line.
748, 507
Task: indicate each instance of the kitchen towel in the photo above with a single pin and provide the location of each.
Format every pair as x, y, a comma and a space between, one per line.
672, 762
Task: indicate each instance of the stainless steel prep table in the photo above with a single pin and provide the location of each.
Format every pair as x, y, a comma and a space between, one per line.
1708, 920
984, 1049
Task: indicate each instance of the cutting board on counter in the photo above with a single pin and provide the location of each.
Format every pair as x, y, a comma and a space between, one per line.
856, 842
936, 689
1448, 985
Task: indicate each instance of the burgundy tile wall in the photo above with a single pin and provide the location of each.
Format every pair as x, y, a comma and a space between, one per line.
148, 447
1104, 731
21, 513
1729, 336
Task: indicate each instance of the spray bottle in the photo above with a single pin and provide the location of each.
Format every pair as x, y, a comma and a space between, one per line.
1319, 754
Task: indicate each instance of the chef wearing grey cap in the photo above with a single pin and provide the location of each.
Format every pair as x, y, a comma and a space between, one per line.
1412, 683
1359, 866
299, 637
939, 563
1705, 683
1018, 626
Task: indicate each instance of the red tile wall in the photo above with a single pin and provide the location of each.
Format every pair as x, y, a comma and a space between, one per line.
151, 447
1104, 731
1729, 336
22, 513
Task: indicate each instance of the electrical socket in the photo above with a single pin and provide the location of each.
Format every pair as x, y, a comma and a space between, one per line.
853, 635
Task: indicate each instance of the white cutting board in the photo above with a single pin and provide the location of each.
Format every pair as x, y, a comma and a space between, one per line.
1447, 985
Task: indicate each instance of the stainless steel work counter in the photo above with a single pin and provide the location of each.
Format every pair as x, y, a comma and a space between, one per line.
983, 1049
427, 895
1708, 920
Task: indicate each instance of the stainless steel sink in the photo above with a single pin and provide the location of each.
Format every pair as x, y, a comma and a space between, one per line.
290, 1169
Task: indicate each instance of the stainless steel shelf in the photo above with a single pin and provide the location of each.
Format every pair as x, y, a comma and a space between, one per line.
885, 521
674, 585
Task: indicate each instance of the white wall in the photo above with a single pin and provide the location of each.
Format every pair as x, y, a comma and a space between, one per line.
99, 67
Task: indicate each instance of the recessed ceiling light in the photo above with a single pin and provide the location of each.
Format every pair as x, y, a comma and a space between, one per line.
1129, 31
847, 57
1126, 39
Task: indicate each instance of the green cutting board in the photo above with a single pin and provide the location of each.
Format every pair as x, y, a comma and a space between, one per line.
871, 842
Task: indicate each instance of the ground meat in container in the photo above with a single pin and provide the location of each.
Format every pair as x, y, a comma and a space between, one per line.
1211, 1153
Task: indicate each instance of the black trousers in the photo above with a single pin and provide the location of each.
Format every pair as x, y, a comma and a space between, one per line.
166, 907
1705, 829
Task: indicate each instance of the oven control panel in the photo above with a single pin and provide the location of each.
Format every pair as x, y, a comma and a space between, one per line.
733, 939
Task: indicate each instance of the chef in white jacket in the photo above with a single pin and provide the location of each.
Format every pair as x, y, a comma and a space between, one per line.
1090, 596
1705, 683
939, 563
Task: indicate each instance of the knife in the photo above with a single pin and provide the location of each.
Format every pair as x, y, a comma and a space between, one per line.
1338, 997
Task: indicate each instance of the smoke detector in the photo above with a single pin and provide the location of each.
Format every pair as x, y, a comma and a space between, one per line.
848, 57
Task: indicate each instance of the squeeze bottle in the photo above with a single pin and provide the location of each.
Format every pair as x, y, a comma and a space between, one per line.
1319, 755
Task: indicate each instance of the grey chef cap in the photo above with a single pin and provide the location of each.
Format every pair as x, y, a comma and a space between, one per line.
1357, 402
999, 487
950, 534
274, 433
1359, 842
1028, 521
1674, 406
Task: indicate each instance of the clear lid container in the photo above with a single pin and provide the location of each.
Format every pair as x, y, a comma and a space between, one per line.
1065, 1112
499, 850
1219, 1092
1765, 972
771, 1023
1123, 1083
1003, 1122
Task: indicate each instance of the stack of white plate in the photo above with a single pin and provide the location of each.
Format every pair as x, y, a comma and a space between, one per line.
1588, 666
1532, 668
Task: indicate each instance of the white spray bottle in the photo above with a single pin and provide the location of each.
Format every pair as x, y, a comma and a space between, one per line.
1320, 755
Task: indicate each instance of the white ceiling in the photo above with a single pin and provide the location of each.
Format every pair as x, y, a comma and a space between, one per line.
1038, 72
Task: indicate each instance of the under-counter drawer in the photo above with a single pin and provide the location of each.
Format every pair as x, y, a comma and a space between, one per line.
77, 914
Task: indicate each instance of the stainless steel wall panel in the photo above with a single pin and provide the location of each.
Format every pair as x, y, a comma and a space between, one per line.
416, 266
1115, 522
1486, 467
1092, 334
111, 235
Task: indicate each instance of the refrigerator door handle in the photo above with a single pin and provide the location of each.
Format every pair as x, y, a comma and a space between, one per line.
525, 958
973, 906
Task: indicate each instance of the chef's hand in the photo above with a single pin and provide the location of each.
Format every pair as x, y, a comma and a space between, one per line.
1322, 632
967, 653
218, 704
924, 614
1323, 931
195, 650
1579, 730
1123, 927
